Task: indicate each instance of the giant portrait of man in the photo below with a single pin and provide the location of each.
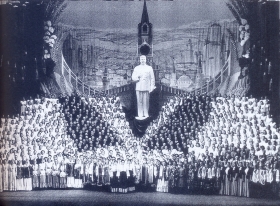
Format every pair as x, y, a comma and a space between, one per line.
144, 77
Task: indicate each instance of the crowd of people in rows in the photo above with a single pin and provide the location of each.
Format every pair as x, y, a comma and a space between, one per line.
93, 122
197, 144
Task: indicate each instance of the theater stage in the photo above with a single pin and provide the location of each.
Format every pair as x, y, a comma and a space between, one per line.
84, 197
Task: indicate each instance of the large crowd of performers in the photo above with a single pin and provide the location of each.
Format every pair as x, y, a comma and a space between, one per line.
198, 144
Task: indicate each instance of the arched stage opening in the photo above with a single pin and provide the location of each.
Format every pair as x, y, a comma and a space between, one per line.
69, 100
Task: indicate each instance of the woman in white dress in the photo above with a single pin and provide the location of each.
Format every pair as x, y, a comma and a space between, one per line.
160, 179
12, 173
23, 106
42, 173
5, 175
137, 169
62, 175
49, 166
77, 173
55, 173
35, 174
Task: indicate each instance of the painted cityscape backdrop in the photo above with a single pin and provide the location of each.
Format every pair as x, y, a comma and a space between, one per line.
176, 53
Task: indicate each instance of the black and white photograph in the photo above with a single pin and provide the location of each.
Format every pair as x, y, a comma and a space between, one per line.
139, 102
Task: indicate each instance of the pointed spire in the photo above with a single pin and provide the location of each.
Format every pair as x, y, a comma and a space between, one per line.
174, 68
105, 73
145, 16
199, 64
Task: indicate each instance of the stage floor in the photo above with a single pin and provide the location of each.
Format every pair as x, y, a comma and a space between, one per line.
84, 197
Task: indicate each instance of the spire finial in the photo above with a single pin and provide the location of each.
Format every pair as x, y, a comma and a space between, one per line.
145, 16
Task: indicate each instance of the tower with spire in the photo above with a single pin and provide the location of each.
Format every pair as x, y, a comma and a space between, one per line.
145, 36
190, 52
105, 79
173, 77
199, 75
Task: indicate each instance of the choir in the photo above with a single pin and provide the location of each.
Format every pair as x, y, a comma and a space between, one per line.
198, 144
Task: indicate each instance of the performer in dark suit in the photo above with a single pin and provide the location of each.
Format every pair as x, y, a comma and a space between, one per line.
240, 179
228, 179
248, 178
181, 185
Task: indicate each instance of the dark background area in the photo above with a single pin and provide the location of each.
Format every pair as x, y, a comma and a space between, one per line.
21, 51
263, 19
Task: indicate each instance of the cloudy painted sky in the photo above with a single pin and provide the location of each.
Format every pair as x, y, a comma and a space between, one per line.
127, 14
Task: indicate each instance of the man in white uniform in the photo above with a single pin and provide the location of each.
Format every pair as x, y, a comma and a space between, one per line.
144, 77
